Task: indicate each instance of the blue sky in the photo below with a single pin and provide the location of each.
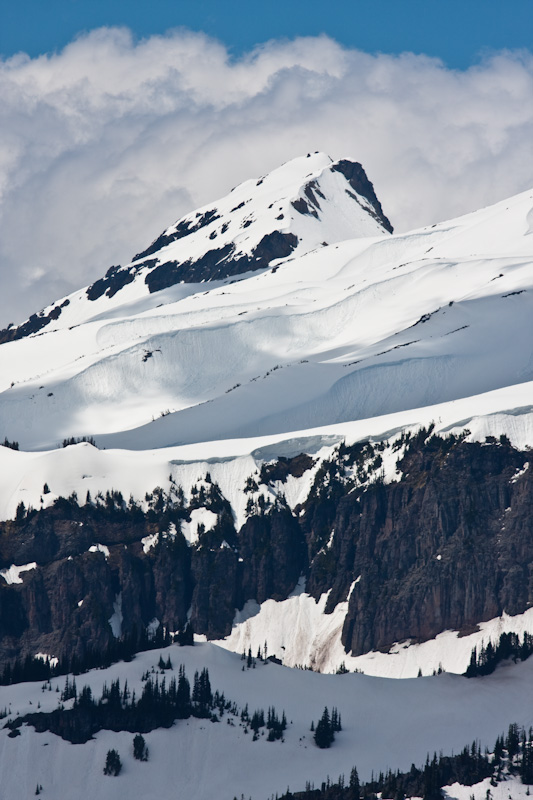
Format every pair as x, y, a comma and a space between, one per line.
457, 31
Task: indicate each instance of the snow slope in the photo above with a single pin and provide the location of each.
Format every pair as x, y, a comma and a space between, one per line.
299, 633
353, 330
385, 724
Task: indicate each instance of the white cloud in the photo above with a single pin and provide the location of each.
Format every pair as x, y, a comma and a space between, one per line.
109, 141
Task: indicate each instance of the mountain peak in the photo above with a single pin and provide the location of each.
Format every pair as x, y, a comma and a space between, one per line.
303, 205
306, 203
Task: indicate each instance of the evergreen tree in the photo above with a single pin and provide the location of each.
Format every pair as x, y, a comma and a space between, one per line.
183, 695
258, 720
113, 764
20, 513
513, 740
140, 750
324, 734
354, 784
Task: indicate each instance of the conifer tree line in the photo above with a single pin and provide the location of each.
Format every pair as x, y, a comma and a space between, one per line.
161, 703
512, 755
34, 668
509, 646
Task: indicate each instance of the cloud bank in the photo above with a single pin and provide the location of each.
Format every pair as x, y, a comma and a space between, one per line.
109, 141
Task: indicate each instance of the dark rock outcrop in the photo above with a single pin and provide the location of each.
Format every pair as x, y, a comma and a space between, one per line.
114, 280
34, 324
448, 546
222, 262
185, 227
65, 604
358, 180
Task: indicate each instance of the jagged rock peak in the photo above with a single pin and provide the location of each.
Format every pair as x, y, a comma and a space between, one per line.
307, 203
304, 204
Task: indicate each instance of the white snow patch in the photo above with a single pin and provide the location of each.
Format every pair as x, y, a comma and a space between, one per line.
448, 650
99, 548
199, 516
12, 574
150, 541
518, 474
52, 660
296, 630
440, 713
116, 619
299, 633
510, 787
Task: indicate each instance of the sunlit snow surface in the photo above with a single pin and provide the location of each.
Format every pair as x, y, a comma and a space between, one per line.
352, 330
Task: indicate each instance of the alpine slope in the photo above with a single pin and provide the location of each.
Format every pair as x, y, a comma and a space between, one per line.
282, 319
352, 324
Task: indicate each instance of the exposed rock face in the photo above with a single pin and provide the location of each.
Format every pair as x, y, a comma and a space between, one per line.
64, 606
222, 262
447, 546
273, 551
34, 324
358, 180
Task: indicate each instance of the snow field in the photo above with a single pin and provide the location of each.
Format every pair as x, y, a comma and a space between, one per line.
321, 340
385, 724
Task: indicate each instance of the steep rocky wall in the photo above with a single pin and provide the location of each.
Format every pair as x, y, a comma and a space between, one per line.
447, 546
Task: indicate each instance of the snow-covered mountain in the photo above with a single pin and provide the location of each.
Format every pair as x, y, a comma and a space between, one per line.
338, 340
349, 330
323, 430
303, 205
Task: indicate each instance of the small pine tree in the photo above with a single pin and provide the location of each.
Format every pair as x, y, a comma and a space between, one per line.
20, 513
113, 764
140, 750
324, 733
354, 783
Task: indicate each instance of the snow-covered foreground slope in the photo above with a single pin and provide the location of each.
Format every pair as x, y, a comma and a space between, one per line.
385, 724
352, 330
